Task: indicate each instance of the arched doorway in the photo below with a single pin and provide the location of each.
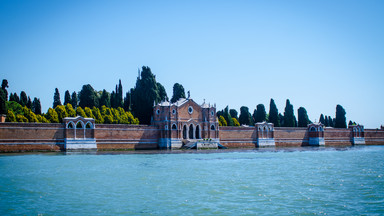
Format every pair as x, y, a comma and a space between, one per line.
197, 135
185, 132
191, 131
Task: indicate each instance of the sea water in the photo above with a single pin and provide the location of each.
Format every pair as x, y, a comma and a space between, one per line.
287, 181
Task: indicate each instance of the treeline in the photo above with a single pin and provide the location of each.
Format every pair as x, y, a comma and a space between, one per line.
136, 106
230, 117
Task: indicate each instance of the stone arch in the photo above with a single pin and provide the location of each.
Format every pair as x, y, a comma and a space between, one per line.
166, 127
213, 127
174, 126
197, 132
312, 129
89, 125
70, 125
321, 128
191, 130
185, 132
80, 124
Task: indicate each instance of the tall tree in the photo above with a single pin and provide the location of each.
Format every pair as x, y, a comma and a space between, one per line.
245, 117
274, 114
36, 106
4, 86
3, 99
162, 93
74, 101
261, 114
326, 123
128, 100
330, 121
234, 114
321, 120
67, 98
289, 117
119, 92
146, 93
341, 121
303, 119
29, 103
227, 116
88, 97
178, 92
23, 99
56, 99
105, 99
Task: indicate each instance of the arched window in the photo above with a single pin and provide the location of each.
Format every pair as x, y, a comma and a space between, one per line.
185, 132
213, 127
80, 124
89, 125
312, 129
166, 127
70, 125
191, 131
320, 128
174, 127
197, 134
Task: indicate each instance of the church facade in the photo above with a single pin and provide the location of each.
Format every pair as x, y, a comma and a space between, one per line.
185, 121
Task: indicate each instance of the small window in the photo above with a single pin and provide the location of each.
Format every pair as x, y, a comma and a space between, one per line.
174, 127
70, 125
213, 127
212, 113
157, 111
166, 127
312, 129
173, 111
88, 125
190, 110
79, 125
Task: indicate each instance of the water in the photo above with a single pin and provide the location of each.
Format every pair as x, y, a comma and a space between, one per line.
302, 181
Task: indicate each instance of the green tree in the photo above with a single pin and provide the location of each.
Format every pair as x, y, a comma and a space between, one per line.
67, 97
15, 98
260, 113
23, 98
61, 112
330, 121
222, 121
29, 103
41, 119
74, 101
88, 97
178, 92
36, 106
4, 86
273, 114
321, 119
80, 112
15, 107
245, 117
233, 113
227, 116
128, 100
10, 116
303, 119
70, 111
105, 99
146, 93
98, 117
326, 123
341, 121
29, 115
289, 117
52, 116
56, 98
350, 123
235, 122
21, 118
88, 112
3, 100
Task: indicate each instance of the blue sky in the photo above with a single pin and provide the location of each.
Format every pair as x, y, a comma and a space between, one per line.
316, 53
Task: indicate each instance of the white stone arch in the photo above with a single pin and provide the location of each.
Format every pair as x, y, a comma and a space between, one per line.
312, 129
81, 124
91, 126
70, 123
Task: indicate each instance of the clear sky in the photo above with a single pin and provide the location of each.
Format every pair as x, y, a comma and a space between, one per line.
316, 53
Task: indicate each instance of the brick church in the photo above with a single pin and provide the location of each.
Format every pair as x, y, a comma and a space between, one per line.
185, 121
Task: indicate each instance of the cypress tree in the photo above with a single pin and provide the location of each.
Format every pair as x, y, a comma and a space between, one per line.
36, 106
74, 100
350, 123
245, 117
67, 97
322, 119
274, 114
233, 113
260, 113
326, 123
178, 92
56, 98
29, 103
303, 119
16, 97
227, 116
162, 93
4, 86
23, 99
341, 121
105, 99
289, 117
88, 97
3, 107
330, 121
120, 95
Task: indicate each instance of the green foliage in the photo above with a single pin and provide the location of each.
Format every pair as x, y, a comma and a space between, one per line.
4, 86
245, 117
61, 112
88, 97
321, 119
10, 116
289, 117
14, 97
36, 106
178, 92
235, 122
52, 116
41, 119
3, 100
105, 99
15, 107
233, 113
80, 112
341, 121
227, 116
261, 115
330, 121
70, 111
56, 98
222, 121
273, 114
88, 112
67, 97
98, 117
326, 123
23, 99
21, 118
29, 103
303, 117
29, 115
128, 100
145, 94
74, 101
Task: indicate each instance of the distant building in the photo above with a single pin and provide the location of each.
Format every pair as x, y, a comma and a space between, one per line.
185, 121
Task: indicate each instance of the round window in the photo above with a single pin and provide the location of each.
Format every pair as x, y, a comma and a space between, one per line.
190, 110
212, 113
157, 111
174, 112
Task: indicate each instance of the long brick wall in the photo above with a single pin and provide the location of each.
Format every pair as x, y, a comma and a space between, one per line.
291, 136
237, 137
374, 137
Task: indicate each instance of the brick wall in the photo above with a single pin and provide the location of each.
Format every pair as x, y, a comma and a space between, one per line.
290, 136
374, 136
337, 136
237, 137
